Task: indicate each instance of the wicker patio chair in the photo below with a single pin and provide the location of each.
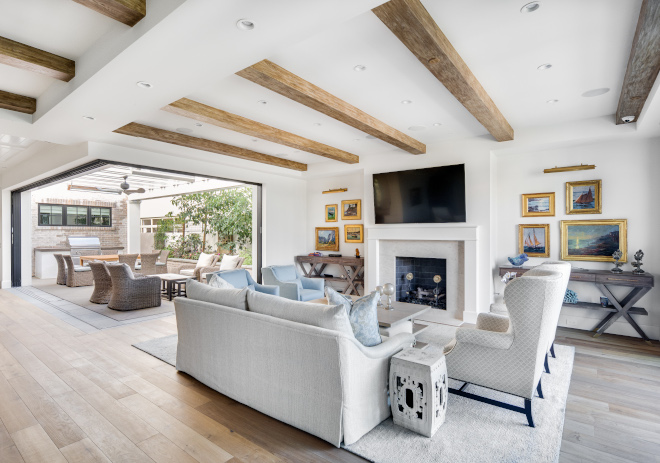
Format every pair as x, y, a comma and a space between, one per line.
148, 264
102, 283
191, 269
199, 271
61, 269
128, 259
77, 275
161, 265
131, 292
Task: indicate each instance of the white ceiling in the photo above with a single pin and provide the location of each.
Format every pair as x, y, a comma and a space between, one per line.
192, 48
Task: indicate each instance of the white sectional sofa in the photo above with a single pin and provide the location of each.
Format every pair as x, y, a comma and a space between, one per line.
320, 380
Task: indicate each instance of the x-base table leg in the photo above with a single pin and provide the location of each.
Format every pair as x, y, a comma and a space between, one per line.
622, 308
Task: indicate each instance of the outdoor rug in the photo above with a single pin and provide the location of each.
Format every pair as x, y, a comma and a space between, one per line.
477, 432
162, 348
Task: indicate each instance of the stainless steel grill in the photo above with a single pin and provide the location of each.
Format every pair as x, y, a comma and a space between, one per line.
84, 246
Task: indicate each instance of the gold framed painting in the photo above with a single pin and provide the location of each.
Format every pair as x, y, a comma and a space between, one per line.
538, 205
327, 238
351, 209
331, 212
534, 240
594, 240
354, 233
584, 197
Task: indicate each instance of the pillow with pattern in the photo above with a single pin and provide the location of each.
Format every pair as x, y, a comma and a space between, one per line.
217, 282
362, 313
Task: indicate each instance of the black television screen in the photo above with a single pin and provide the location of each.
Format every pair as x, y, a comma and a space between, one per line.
433, 195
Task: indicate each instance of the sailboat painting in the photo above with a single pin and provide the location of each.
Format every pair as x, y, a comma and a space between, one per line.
583, 197
534, 240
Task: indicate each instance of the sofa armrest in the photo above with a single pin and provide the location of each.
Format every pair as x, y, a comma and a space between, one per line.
389, 347
313, 283
493, 322
489, 339
176, 267
267, 289
200, 270
289, 290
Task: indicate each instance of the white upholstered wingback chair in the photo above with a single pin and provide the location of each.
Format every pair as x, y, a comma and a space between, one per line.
507, 354
564, 268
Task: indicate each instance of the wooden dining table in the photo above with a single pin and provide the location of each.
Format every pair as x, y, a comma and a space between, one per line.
106, 257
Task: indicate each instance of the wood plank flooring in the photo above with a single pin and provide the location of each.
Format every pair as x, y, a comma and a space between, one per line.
68, 396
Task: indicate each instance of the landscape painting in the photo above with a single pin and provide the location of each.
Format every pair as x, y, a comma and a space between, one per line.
538, 205
354, 233
534, 241
583, 197
594, 240
351, 209
331, 213
327, 239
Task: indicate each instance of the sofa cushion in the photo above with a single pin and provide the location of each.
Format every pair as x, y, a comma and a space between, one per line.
229, 262
362, 314
234, 298
205, 260
217, 282
331, 317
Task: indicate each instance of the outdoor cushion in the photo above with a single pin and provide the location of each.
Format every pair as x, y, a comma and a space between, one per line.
332, 317
205, 260
234, 298
187, 272
161, 263
82, 269
217, 282
229, 262
362, 314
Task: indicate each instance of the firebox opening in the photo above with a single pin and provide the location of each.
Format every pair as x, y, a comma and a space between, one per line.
415, 281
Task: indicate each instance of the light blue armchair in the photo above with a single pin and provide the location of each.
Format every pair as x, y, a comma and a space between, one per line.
241, 278
292, 285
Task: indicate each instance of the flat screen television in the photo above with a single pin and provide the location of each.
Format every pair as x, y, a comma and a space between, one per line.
432, 195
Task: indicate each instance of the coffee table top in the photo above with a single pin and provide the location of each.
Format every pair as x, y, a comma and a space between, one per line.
172, 276
403, 311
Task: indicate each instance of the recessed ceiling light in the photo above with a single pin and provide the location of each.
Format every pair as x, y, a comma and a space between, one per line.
198, 124
370, 137
437, 124
245, 24
89, 118
262, 102
552, 101
359, 68
416, 128
406, 102
184, 130
595, 92
530, 7
543, 67
255, 140
143, 84
317, 124
282, 155
356, 139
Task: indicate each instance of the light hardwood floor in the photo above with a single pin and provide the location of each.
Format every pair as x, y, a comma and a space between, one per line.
68, 396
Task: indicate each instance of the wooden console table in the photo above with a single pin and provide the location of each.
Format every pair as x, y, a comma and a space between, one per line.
640, 284
352, 269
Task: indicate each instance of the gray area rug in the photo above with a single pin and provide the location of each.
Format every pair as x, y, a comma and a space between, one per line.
477, 432
162, 348
80, 297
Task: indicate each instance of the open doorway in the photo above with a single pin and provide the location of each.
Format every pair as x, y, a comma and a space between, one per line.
128, 209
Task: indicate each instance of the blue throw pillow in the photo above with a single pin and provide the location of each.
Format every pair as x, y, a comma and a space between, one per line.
363, 315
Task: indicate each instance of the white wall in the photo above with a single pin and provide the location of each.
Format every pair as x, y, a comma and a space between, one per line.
630, 172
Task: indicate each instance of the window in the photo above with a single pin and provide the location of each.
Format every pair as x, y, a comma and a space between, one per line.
50, 215
74, 216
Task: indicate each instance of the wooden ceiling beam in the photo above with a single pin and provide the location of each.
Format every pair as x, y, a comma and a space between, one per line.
643, 64
32, 59
210, 115
129, 12
20, 103
414, 26
174, 138
275, 78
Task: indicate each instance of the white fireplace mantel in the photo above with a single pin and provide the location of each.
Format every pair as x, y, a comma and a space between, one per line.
468, 235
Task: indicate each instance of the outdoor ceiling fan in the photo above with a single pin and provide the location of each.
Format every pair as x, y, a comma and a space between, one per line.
125, 187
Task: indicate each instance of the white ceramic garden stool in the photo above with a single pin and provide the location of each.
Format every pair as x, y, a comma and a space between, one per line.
418, 390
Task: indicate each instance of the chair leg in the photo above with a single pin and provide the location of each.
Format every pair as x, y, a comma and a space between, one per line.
528, 412
539, 390
552, 351
547, 368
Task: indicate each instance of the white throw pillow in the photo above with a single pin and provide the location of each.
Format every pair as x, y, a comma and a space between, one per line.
235, 298
205, 260
217, 282
229, 262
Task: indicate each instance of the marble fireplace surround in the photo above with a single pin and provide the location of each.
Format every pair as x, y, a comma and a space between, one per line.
458, 245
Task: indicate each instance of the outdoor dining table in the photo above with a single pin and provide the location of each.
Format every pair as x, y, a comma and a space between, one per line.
106, 257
